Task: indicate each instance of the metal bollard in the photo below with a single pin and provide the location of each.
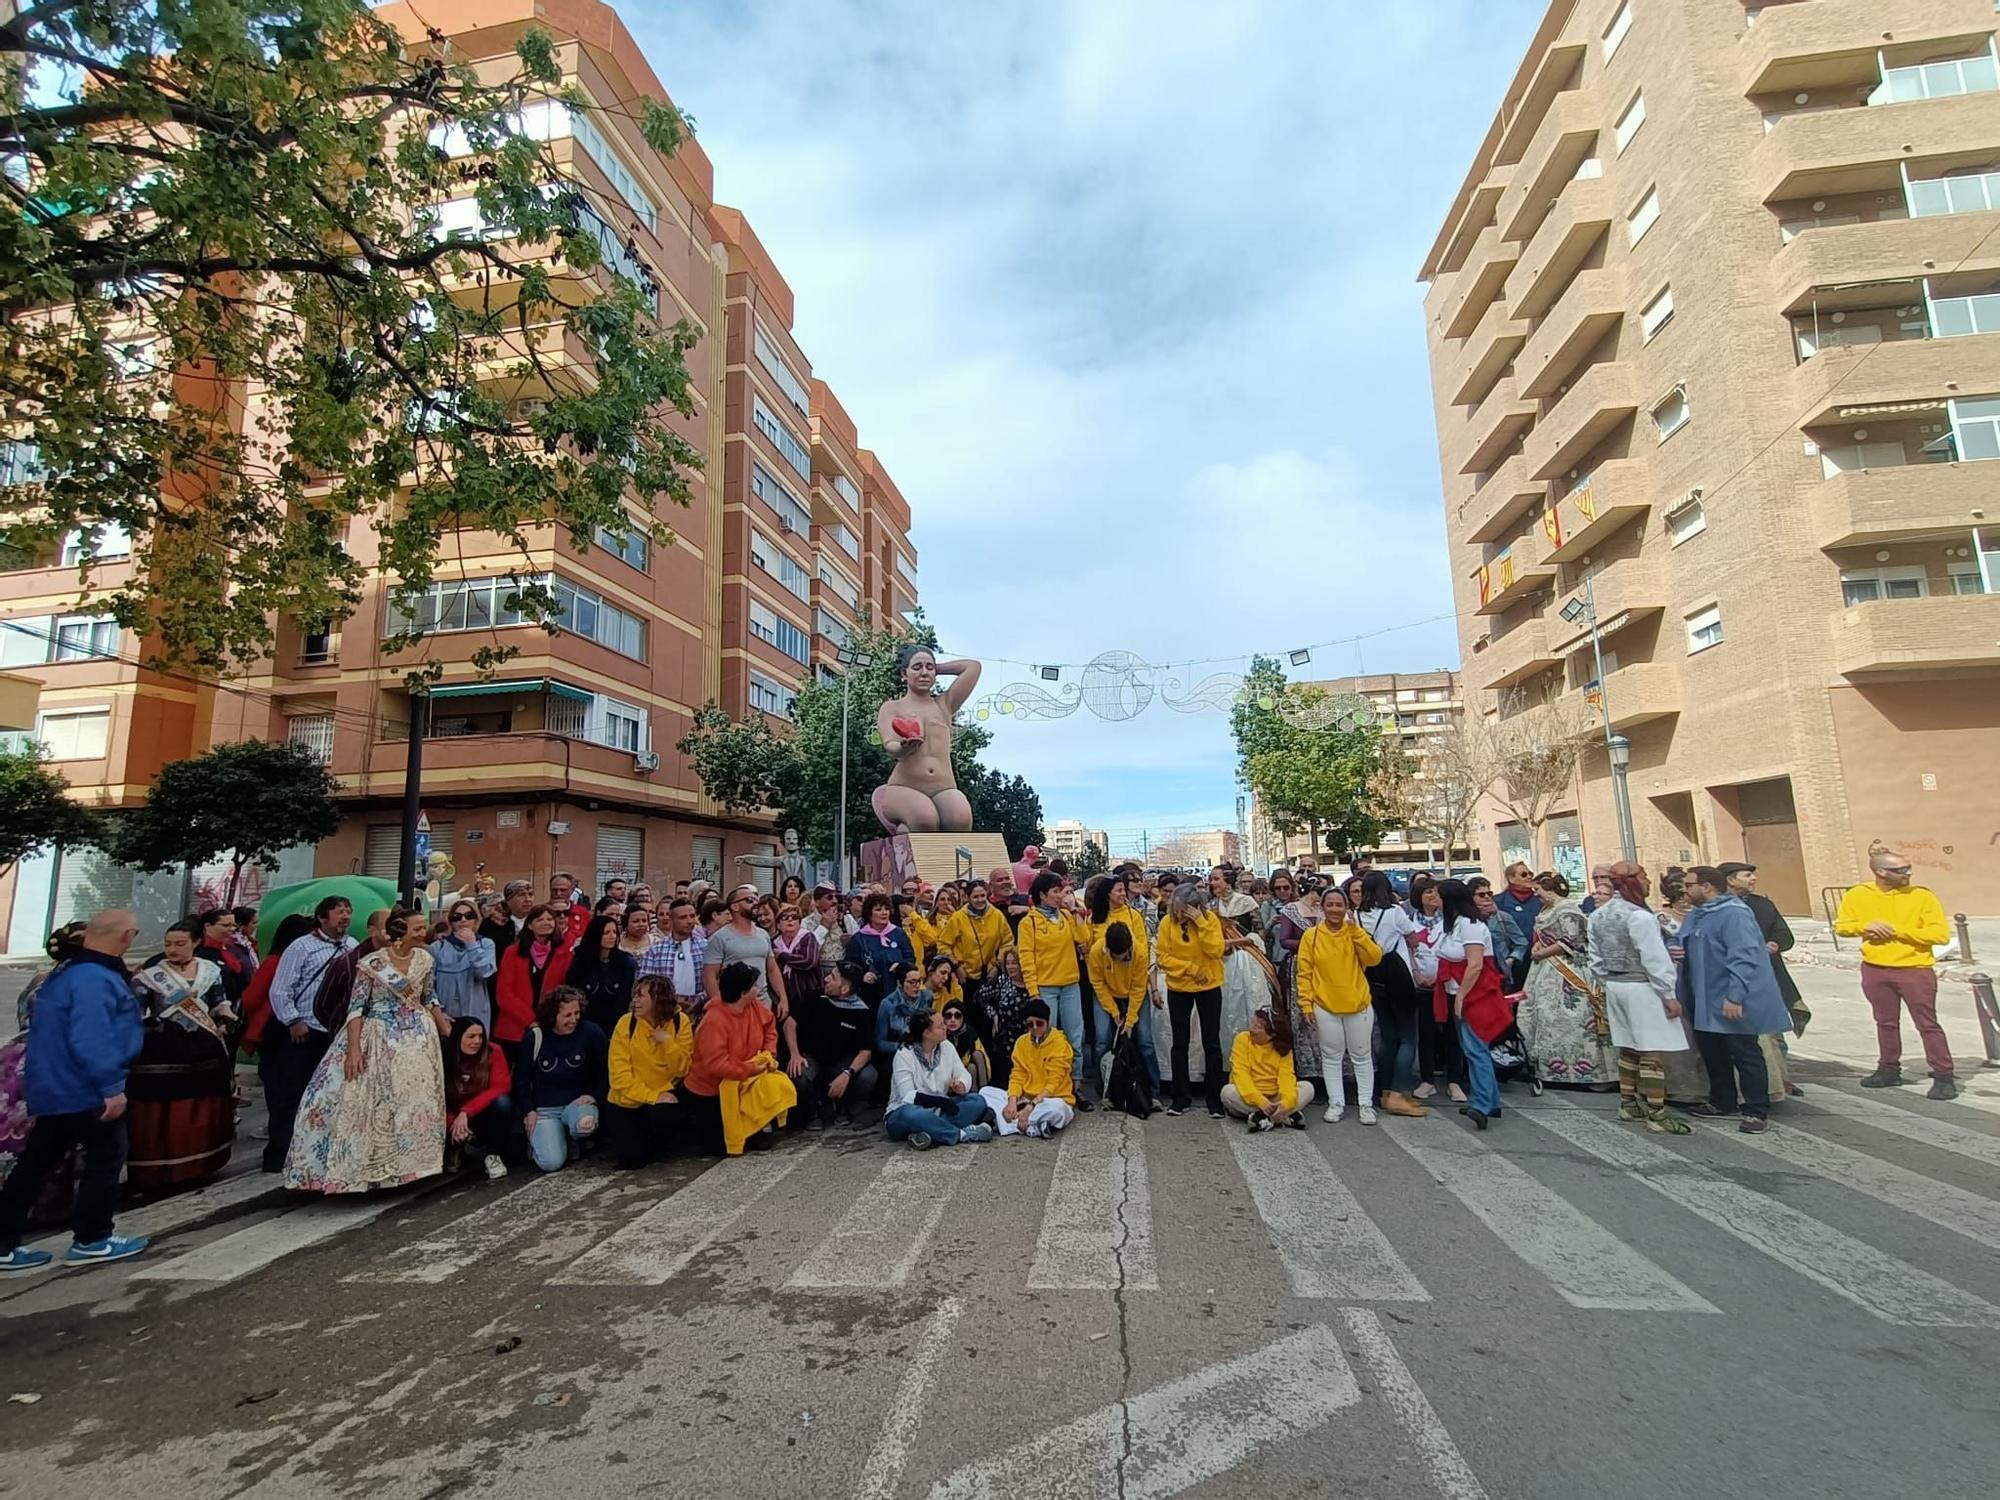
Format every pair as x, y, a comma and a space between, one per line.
1988, 1011
1964, 939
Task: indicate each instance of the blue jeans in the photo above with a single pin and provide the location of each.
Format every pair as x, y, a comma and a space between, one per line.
1480, 1083
1065, 1002
940, 1125
554, 1129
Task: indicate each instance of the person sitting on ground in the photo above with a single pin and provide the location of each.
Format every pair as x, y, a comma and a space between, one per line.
1041, 1092
478, 1090
941, 986
1262, 1087
892, 1017
965, 1041
931, 1096
837, 1045
651, 1047
734, 1088
559, 1078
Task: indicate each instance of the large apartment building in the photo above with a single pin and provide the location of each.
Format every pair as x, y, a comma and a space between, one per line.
1715, 344
567, 759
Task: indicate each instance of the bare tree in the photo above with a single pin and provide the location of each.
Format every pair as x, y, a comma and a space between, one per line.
1534, 747
1460, 765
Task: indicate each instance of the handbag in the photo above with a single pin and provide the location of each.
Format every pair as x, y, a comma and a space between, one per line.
1130, 1089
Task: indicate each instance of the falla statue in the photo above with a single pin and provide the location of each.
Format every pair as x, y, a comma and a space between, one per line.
921, 794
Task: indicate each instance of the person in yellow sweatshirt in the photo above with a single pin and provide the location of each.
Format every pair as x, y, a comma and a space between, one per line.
1332, 966
1898, 924
1120, 976
1189, 952
1051, 937
1263, 1087
974, 936
1041, 1094
651, 1046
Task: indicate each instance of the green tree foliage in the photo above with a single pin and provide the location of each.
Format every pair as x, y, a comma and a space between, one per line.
248, 801
1090, 860
1310, 780
748, 766
220, 196
35, 809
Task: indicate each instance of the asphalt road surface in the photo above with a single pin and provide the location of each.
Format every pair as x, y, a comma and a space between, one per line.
1562, 1306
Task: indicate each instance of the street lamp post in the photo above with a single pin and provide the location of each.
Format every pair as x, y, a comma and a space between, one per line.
849, 659
1616, 747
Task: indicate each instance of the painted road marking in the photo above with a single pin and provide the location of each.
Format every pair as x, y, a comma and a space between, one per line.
906, 1412
1936, 1202
1451, 1477
1178, 1435
655, 1246
1873, 1280
466, 1241
880, 1239
1589, 1266
1330, 1247
182, 1209
1097, 1227
235, 1256
1908, 1124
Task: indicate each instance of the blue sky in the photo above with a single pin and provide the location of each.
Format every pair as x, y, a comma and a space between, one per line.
1124, 296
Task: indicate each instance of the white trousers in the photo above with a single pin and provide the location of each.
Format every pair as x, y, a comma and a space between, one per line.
1233, 1101
1354, 1036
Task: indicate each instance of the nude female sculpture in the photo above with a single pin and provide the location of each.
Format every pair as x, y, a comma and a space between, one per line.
921, 795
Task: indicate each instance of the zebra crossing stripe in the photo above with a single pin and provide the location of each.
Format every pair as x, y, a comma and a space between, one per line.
1873, 1280
235, 1256
905, 1416
655, 1246
1329, 1246
1450, 1475
466, 1241
1911, 1126
1097, 1227
880, 1239
182, 1209
1587, 1265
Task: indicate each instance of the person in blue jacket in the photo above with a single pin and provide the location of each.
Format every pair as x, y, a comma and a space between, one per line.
87, 1032
1726, 982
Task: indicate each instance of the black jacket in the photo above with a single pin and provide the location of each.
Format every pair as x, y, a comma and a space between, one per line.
1775, 929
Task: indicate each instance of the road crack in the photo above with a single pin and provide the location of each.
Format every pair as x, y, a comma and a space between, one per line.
1118, 1300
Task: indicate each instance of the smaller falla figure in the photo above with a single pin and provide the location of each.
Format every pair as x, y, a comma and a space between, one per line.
921, 795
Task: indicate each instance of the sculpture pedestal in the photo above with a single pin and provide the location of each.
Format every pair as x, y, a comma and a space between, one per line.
934, 857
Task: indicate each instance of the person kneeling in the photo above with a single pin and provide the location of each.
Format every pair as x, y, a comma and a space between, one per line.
651, 1047
734, 1087
560, 1079
1041, 1094
479, 1112
1262, 1087
931, 1098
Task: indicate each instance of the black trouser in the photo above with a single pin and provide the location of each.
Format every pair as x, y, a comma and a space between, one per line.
818, 1078
643, 1133
1732, 1058
703, 1122
1208, 1004
1437, 1045
51, 1139
285, 1067
496, 1131
1396, 1034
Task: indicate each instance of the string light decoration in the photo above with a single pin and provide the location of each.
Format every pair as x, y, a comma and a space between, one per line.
1118, 686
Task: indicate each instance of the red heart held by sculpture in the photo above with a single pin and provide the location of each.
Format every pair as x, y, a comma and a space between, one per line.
907, 729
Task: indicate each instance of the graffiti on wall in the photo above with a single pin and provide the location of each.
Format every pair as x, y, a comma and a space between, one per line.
1926, 854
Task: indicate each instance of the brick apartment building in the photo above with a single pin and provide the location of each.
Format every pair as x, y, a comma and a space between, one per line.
1715, 342
566, 760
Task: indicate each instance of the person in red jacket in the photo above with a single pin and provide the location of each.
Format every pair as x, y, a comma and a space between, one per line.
257, 998
479, 1104
536, 961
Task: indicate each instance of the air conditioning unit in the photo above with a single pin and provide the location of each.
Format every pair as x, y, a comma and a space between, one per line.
785, 523
646, 760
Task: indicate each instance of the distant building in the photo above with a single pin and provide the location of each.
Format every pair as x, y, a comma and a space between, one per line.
1067, 838
1197, 851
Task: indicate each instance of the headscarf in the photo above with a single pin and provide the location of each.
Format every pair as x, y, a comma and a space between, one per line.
1629, 882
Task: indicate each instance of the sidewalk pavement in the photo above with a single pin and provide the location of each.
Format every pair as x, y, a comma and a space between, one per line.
1843, 1028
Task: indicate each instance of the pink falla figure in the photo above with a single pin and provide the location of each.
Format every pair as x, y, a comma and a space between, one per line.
921, 794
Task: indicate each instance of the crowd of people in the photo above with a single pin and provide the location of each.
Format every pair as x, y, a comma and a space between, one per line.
504, 1030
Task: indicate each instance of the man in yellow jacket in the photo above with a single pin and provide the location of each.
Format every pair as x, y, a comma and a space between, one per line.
1898, 924
1041, 1095
1050, 939
1120, 975
974, 935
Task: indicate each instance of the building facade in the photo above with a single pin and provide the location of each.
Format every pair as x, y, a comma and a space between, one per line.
1716, 361
566, 760
1067, 837
1199, 850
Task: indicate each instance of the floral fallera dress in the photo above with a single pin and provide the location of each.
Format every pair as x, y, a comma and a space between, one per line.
386, 1127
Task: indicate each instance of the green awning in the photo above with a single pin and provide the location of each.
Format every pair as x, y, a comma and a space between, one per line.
510, 687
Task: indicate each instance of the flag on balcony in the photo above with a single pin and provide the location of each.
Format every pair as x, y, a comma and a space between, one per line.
1586, 504
1483, 577
1506, 561
1552, 525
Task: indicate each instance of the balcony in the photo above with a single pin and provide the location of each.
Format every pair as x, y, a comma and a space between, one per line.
1478, 363
1496, 426
1591, 307
1603, 396
1515, 574
1609, 498
1557, 66
1495, 510
1626, 591
1561, 146
1901, 504
1887, 250
1581, 216
1521, 653
1465, 227
1845, 150
1886, 637
1849, 382
1643, 692
1478, 283
1803, 47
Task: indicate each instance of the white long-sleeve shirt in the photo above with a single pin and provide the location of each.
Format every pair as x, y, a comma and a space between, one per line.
1626, 945
910, 1075
295, 983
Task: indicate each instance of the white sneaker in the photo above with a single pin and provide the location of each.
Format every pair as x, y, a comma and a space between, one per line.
1424, 1090
495, 1168
1333, 1113
1367, 1114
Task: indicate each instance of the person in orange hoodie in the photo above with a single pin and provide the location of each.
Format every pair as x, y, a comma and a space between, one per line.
736, 1043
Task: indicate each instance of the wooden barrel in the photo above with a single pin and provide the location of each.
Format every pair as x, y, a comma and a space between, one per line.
181, 1114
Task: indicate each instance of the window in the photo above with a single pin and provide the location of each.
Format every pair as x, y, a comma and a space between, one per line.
1813, 337
1654, 316
1644, 216
791, 511
586, 614
1684, 521
1975, 427
849, 542
1628, 123
1847, 458
21, 463
1614, 33
133, 357
78, 734
112, 541
1968, 193
780, 435
1954, 317
907, 568
618, 725
834, 579
1863, 585
312, 733
1704, 629
770, 695
774, 629
766, 554
85, 637
830, 627
847, 490
24, 640
1671, 414
315, 642
492, 603
551, 120
774, 362
1966, 580
631, 548
1974, 74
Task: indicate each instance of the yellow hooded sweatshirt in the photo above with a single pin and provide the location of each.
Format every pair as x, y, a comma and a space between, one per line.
1043, 1070
1048, 948
644, 1067
1331, 967
1261, 1071
1120, 983
1192, 961
975, 941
